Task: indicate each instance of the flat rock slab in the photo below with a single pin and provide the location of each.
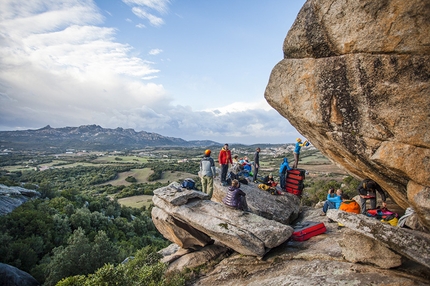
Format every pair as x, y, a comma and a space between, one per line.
244, 232
281, 208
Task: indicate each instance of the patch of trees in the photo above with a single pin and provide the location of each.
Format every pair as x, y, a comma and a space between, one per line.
73, 234
131, 179
143, 269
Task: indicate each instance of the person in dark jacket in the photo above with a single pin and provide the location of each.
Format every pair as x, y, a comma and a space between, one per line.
235, 197
367, 191
256, 164
283, 172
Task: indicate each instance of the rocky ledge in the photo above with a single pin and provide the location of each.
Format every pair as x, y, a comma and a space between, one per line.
13, 197
238, 248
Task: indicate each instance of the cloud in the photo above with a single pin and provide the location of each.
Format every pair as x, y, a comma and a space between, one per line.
154, 52
57, 66
153, 20
141, 9
140, 26
60, 66
159, 5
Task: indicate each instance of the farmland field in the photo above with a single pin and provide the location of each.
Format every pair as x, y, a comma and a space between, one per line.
136, 201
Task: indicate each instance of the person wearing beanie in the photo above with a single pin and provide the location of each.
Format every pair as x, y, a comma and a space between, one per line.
224, 158
207, 173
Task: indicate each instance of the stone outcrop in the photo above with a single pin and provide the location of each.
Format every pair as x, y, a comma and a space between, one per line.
359, 248
318, 261
12, 276
355, 81
284, 209
411, 244
13, 197
189, 219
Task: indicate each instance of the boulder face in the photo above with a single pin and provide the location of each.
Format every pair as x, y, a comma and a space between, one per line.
355, 81
13, 197
281, 208
192, 221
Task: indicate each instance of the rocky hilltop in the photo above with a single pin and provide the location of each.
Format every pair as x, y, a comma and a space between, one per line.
355, 80
90, 137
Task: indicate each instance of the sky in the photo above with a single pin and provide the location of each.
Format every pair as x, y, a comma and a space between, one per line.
195, 70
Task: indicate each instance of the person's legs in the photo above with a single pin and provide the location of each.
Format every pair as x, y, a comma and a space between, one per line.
328, 205
243, 203
255, 174
204, 184
373, 203
363, 205
210, 186
224, 169
296, 160
282, 181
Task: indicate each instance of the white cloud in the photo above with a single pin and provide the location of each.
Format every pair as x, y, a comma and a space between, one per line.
143, 14
154, 52
159, 5
58, 66
235, 107
140, 26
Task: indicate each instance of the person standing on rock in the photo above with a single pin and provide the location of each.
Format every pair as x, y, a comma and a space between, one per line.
235, 197
207, 173
367, 191
283, 172
256, 164
224, 158
296, 152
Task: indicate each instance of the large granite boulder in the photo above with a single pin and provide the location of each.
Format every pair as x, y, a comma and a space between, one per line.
12, 276
13, 197
412, 244
189, 219
355, 80
321, 260
282, 208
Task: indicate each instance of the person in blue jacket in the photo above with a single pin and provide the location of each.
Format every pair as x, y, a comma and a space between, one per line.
283, 172
333, 200
296, 152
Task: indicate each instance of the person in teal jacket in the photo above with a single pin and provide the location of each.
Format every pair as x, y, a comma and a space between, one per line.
333, 200
283, 172
296, 152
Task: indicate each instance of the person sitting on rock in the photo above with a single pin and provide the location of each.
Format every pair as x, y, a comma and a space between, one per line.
235, 197
333, 200
270, 181
348, 205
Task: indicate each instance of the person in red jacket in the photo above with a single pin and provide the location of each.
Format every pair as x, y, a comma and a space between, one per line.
224, 158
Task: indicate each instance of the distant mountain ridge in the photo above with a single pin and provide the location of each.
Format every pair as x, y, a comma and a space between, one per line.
91, 137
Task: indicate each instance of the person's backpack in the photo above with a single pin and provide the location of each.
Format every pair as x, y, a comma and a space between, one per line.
188, 184
380, 213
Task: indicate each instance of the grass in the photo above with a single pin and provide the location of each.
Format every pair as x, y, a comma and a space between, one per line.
136, 201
